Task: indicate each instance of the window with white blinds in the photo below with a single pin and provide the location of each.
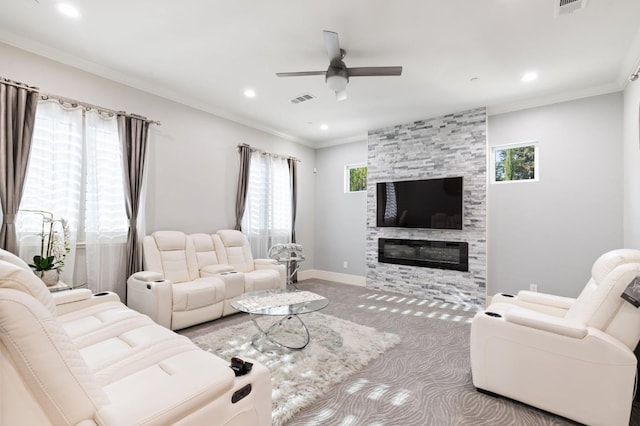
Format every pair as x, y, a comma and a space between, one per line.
53, 181
75, 171
267, 215
104, 206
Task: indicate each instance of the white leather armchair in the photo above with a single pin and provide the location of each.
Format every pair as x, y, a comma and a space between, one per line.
572, 357
260, 274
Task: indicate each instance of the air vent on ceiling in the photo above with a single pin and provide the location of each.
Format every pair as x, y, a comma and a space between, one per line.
302, 98
565, 7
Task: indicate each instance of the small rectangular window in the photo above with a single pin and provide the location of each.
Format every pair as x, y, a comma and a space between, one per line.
515, 162
355, 178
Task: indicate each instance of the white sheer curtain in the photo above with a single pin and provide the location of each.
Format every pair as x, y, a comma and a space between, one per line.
106, 221
267, 215
54, 180
75, 171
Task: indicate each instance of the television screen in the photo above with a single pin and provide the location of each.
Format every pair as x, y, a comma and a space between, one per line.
429, 203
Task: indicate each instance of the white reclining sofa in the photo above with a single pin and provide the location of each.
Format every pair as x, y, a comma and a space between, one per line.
191, 279
572, 357
76, 358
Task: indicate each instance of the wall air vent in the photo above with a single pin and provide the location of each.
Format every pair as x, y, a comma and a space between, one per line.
565, 7
302, 98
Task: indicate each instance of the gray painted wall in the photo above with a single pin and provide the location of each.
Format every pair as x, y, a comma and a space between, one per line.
340, 217
632, 166
193, 165
579, 227
550, 232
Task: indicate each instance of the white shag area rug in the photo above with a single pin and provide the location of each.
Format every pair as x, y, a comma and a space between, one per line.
338, 348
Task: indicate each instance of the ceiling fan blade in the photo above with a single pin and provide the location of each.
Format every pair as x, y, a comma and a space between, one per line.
341, 96
373, 71
300, 73
333, 45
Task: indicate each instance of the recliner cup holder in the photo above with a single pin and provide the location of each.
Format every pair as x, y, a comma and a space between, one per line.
102, 293
493, 314
507, 295
155, 281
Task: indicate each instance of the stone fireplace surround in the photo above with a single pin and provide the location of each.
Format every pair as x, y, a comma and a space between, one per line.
451, 145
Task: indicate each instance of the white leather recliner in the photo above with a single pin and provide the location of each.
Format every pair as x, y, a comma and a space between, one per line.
171, 290
571, 357
259, 274
191, 279
212, 261
76, 358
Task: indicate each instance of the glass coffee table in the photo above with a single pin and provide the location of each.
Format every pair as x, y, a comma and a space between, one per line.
285, 303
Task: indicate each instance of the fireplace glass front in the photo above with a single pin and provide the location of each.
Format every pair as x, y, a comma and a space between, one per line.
431, 254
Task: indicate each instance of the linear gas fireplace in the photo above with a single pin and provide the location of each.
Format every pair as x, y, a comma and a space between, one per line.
430, 254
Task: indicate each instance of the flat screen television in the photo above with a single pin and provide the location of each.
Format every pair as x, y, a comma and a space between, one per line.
428, 203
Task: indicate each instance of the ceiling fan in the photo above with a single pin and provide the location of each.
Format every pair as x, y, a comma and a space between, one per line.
337, 75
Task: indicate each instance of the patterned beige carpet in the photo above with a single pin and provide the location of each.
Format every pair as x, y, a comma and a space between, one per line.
424, 380
337, 349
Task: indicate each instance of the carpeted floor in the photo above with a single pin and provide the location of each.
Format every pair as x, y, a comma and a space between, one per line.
424, 380
338, 349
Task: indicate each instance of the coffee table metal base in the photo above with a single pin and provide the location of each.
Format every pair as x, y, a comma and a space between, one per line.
267, 334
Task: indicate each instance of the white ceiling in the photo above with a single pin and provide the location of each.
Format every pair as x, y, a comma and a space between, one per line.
205, 53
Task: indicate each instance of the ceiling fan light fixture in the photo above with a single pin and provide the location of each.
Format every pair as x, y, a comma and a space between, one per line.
337, 75
337, 83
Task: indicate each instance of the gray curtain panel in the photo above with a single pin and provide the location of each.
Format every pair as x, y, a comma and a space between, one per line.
244, 152
133, 137
293, 177
17, 119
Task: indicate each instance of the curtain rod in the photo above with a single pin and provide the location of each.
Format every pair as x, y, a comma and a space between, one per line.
269, 153
19, 85
75, 103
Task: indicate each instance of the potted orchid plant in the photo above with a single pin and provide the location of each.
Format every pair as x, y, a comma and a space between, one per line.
54, 247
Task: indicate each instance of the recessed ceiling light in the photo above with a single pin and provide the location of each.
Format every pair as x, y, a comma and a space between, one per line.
250, 93
69, 10
529, 76
324, 127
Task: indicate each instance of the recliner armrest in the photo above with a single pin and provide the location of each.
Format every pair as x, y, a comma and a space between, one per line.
147, 276
74, 300
545, 322
265, 262
64, 297
546, 299
152, 297
210, 270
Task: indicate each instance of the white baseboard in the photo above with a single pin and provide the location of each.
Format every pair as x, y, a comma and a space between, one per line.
332, 276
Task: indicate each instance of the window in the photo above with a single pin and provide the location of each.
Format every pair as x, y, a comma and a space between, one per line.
75, 171
355, 178
515, 162
267, 216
